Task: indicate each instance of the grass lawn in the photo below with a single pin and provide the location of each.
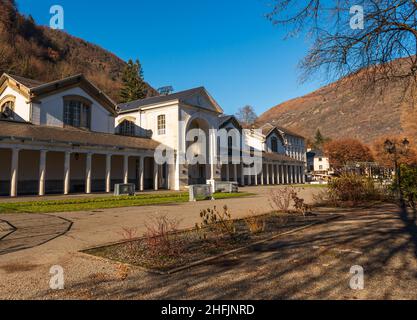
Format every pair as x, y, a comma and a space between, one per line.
311, 186
89, 204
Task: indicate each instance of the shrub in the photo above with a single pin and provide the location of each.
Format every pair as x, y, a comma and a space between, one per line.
353, 188
255, 223
128, 235
299, 204
219, 222
280, 199
160, 237
408, 184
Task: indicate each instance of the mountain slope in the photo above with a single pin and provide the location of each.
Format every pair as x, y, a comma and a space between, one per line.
41, 53
345, 109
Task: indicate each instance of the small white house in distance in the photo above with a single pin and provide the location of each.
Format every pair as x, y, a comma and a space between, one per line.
318, 165
321, 163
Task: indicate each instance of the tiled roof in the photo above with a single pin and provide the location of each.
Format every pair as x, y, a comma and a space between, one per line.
279, 157
37, 88
28, 83
289, 132
81, 137
268, 128
138, 104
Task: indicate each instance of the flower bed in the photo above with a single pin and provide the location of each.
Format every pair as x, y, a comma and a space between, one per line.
189, 247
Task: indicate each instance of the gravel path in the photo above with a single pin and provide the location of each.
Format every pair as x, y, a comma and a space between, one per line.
312, 264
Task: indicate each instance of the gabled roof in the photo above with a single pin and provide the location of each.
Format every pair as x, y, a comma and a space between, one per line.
34, 89
181, 96
268, 129
47, 134
225, 119
28, 83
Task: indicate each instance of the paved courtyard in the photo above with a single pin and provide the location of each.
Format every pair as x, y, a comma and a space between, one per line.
312, 264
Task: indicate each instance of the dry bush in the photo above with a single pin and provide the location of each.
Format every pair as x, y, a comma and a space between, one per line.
160, 237
255, 224
219, 222
353, 188
128, 235
299, 204
280, 199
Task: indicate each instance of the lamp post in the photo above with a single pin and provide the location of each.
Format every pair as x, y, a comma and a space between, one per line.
392, 148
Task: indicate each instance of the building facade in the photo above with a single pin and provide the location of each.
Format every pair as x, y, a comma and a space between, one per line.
67, 136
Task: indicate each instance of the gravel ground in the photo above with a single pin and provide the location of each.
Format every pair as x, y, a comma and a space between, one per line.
312, 264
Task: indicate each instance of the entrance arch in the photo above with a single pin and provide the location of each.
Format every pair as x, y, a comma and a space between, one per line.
198, 172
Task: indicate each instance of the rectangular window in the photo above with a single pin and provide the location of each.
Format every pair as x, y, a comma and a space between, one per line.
161, 125
77, 114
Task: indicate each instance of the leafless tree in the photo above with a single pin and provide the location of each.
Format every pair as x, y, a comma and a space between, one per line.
247, 116
342, 47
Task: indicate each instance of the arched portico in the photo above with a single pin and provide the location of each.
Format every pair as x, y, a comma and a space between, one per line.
198, 151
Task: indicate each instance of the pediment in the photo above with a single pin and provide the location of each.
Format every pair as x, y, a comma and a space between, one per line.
202, 99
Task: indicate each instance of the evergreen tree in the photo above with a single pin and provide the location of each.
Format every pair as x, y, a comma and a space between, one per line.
319, 140
134, 86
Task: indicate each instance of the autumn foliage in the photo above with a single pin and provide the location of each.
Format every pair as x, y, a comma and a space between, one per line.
344, 151
403, 156
40, 53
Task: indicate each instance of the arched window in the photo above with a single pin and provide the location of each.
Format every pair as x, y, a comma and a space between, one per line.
7, 108
77, 112
274, 144
127, 128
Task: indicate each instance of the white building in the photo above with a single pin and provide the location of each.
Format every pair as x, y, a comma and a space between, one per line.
67, 136
318, 165
321, 164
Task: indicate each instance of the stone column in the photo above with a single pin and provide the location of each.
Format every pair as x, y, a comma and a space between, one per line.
249, 179
156, 176
108, 173
88, 157
125, 169
268, 181
88, 173
213, 154
42, 172
141, 173
262, 176
67, 173
272, 174
14, 172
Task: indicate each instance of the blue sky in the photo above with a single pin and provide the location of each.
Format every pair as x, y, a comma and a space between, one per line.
228, 46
